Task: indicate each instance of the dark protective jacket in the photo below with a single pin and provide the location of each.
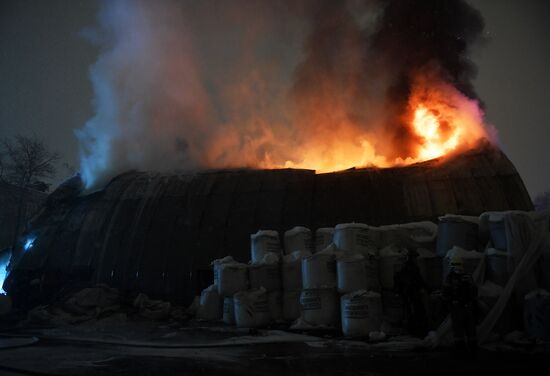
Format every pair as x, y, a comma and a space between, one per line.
459, 289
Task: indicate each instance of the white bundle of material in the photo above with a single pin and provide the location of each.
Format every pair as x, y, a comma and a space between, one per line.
351, 274
232, 278
216, 264
297, 239
319, 269
291, 270
470, 259
497, 266
361, 313
409, 234
527, 236
269, 258
497, 230
228, 311
319, 307
457, 230
262, 242
392, 260
275, 305
251, 309
266, 274
356, 238
291, 305
430, 268
210, 304
323, 238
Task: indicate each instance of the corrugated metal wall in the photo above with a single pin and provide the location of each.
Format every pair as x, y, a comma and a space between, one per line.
153, 232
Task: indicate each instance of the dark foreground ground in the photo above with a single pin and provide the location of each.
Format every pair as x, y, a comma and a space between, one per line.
121, 347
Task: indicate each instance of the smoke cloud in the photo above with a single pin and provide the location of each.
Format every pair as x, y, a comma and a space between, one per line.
316, 84
416, 37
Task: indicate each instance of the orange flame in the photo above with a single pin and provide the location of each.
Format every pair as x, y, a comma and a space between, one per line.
427, 125
444, 119
440, 120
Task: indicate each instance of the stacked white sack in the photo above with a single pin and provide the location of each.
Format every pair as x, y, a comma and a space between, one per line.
263, 242
232, 278
297, 239
216, 264
351, 274
323, 238
228, 311
497, 266
457, 230
291, 273
265, 273
291, 270
356, 238
251, 309
414, 234
319, 269
319, 307
497, 230
210, 304
392, 260
361, 313
318, 300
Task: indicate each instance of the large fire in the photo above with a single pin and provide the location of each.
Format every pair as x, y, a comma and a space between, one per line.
325, 86
427, 125
439, 119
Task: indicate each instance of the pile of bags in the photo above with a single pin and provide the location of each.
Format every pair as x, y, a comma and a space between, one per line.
345, 279
349, 276
508, 255
267, 289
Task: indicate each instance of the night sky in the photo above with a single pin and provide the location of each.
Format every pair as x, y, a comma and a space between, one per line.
45, 88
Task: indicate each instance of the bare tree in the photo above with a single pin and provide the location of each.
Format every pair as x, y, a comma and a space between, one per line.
25, 162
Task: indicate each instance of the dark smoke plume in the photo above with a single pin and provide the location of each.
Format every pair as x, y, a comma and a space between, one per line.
427, 35
413, 34
366, 64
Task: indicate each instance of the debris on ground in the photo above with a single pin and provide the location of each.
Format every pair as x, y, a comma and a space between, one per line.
152, 309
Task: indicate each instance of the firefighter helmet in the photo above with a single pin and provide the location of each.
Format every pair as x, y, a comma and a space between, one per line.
457, 263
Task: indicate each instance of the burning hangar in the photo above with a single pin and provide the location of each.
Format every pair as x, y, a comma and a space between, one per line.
157, 233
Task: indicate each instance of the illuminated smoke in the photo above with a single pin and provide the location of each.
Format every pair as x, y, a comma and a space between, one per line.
321, 84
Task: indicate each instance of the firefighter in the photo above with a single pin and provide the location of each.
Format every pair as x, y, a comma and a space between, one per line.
460, 297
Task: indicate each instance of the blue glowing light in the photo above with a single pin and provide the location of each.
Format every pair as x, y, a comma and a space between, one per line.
4, 260
29, 243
